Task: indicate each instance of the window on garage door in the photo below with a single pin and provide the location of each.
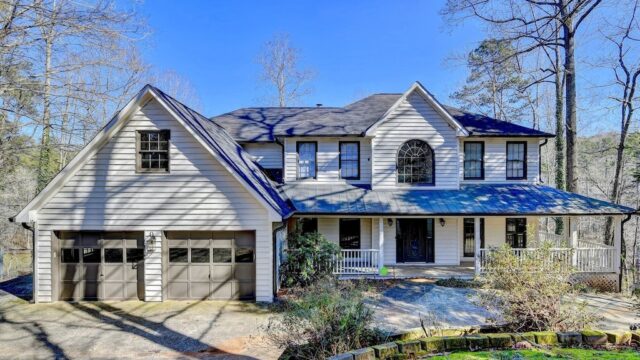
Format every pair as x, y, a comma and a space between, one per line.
210, 265
100, 265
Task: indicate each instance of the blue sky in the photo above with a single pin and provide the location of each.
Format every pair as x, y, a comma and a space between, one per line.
355, 47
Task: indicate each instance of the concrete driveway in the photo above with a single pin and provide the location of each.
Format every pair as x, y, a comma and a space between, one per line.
400, 306
131, 329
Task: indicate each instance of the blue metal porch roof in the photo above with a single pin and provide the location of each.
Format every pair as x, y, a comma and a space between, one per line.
484, 199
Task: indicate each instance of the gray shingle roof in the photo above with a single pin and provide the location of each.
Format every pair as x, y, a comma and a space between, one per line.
230, 152
265, 123
484, 199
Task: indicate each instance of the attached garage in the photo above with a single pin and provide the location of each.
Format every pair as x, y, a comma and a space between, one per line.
210, 265
100, 265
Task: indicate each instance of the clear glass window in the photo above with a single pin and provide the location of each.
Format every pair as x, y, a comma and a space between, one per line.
306, 160
349, 160
416, 163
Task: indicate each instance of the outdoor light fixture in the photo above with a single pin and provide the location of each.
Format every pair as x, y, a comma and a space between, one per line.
389, 221
442, 222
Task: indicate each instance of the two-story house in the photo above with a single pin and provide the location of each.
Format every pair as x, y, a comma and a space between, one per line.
167, 204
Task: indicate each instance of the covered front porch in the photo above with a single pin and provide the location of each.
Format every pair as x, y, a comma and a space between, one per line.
461, 246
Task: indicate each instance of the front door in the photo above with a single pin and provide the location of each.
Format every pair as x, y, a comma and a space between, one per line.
414, 240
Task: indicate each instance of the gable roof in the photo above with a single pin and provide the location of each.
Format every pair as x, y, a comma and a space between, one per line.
215, 139
264, 124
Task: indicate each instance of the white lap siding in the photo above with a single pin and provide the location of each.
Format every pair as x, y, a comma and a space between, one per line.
328, 159
495, 160
415, 119
268, 155
198, 194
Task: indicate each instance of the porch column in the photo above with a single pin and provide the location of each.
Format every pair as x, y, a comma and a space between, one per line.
573, 239
380, 243
617, 242
476, 243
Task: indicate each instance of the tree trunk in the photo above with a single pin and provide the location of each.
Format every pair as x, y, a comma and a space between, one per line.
559, 144
570, 103
44, 162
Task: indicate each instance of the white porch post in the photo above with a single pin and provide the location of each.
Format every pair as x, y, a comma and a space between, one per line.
380, 243
617, 242
573, 239
476, 243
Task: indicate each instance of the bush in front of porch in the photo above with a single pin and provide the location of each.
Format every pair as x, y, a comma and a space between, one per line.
309, 257
531, 291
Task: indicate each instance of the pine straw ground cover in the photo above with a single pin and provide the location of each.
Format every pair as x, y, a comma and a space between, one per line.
553, 353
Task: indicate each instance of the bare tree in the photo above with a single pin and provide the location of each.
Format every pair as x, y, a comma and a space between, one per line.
177, 86
280, 70
535, 25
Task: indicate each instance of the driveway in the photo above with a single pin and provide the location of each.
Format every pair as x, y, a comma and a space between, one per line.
400, 306
130, 329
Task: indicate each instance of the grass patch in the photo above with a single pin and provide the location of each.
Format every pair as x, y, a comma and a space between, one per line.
554, 353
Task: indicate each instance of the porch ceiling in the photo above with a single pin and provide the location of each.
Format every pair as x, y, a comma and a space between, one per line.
484, 199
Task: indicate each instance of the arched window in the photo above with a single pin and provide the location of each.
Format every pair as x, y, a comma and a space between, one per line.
416, 163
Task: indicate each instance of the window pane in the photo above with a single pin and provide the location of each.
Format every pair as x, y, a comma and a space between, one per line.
70, 256
415, 163
91, 255
135, 255
306, 160
307, 225
199, 255
244, 255
178, 255
517, 232
113, 255
350, 233
516, 160
221, 255
154, 150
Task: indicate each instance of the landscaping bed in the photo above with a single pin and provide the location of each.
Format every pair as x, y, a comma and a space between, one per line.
544, 344
553, 353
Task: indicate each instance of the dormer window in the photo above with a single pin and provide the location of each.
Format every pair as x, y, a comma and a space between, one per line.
153, 151
416, 164
307, 165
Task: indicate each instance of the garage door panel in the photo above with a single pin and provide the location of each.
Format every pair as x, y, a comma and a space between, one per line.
92, 266
222, 290
199, 272
113, 273
114, 291
71, 272
245, 272
220, 265
178, 272
178, 290
222, 273
246, 290
200, 290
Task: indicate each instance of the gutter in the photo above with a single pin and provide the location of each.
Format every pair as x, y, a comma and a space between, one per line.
34, 265
624, 221
540, 159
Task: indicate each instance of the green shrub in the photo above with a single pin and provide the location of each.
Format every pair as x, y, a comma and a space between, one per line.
532, 292
324, 319
309, 257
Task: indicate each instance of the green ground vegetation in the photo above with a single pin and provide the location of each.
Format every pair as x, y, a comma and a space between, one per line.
554, 353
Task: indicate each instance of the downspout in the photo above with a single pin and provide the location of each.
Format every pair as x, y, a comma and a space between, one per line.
278, 226
540, 159
622, 242
34, 269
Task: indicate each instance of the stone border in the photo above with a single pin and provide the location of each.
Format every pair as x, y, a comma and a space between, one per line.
408, 346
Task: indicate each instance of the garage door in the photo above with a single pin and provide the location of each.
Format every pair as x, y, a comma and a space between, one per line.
210, 265
100, 265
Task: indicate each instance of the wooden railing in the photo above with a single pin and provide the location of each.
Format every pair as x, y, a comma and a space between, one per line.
580, 259
356, 262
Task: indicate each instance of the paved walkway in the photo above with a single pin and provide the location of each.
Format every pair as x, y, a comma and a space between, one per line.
132, 330
402, 305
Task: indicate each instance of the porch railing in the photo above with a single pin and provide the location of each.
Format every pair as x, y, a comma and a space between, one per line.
580, 259
356, 262
559, 241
